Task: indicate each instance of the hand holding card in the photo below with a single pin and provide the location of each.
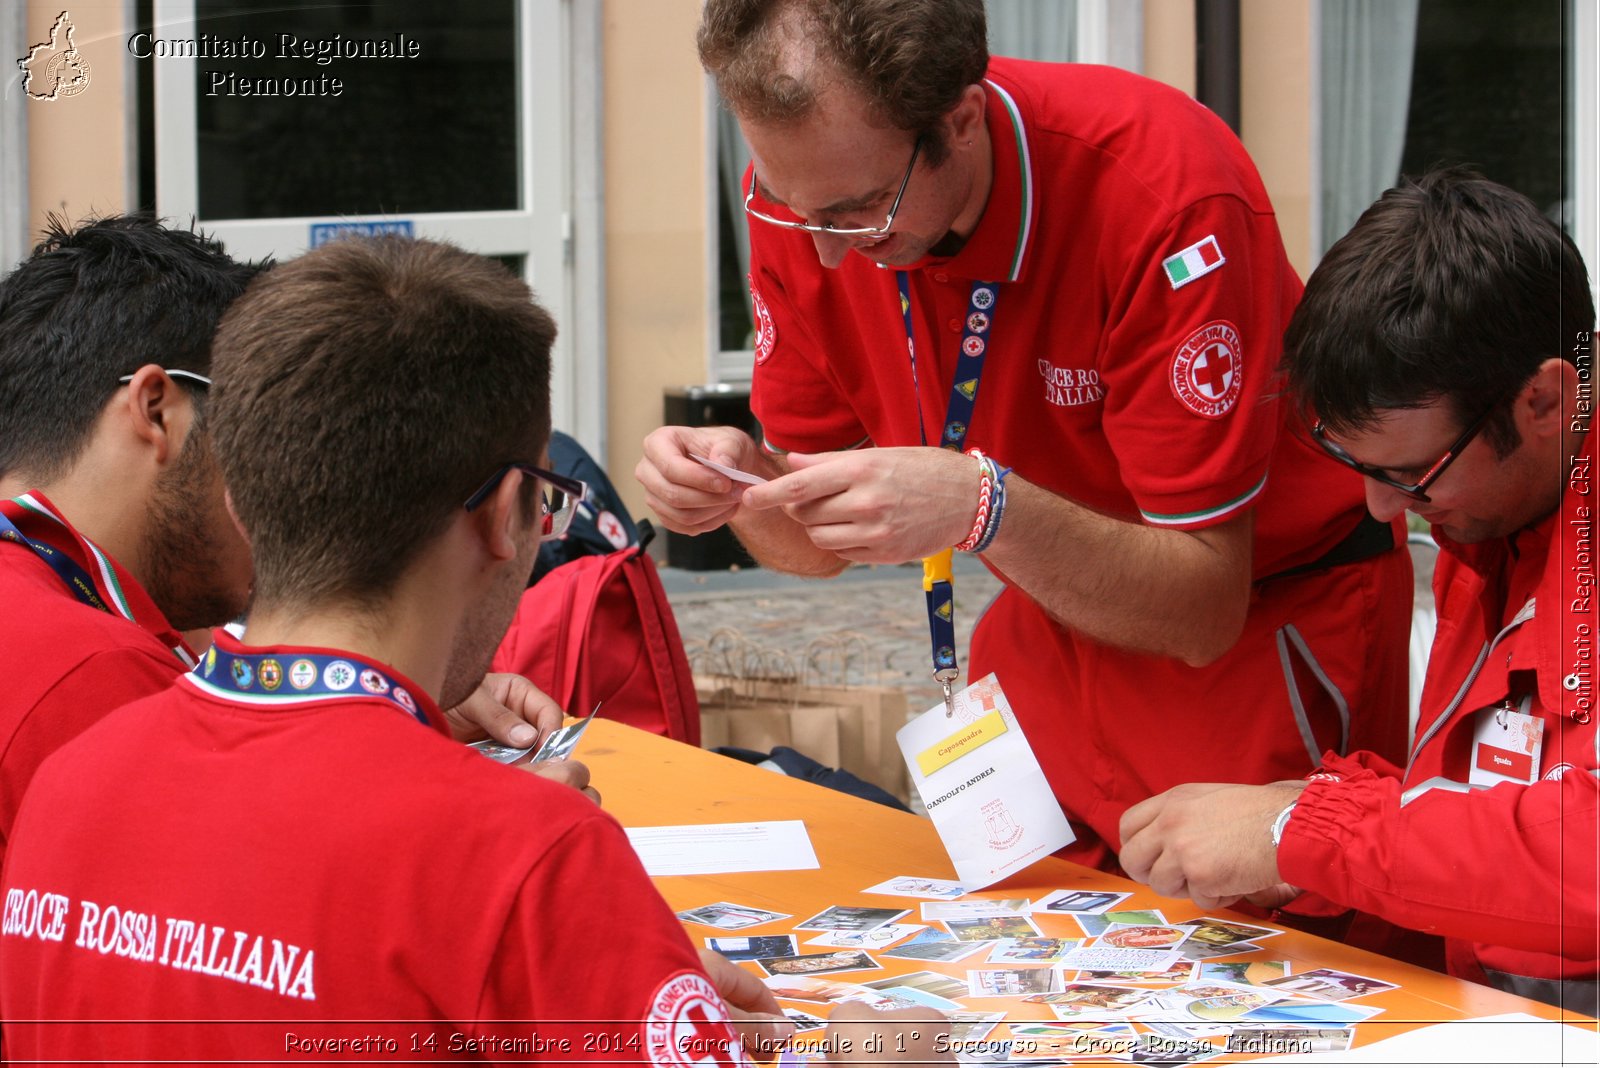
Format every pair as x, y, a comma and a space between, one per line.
731, 472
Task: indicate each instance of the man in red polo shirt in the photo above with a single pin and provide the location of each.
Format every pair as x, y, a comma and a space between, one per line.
1075, 273
114, 537
289, 834
1446, 346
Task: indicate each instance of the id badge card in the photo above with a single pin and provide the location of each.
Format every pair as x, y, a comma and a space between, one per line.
983, 787
1505, 747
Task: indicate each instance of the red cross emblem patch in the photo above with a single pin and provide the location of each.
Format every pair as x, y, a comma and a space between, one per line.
766, 333
1206, 373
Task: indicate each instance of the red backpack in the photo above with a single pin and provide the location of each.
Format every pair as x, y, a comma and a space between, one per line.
599, 630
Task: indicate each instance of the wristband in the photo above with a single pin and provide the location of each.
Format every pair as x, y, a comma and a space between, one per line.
980, 522
1281, 822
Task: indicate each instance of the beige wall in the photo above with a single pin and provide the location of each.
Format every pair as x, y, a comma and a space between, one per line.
78, 147
1169, 43
657, 321
1276, 103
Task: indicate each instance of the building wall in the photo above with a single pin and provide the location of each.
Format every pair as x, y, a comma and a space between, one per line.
657, 304
1276, 112
78, 148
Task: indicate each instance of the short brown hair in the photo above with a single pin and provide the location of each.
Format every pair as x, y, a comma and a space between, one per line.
911, 59
362, 392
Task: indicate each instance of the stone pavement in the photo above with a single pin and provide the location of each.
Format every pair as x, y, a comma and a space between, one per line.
868, 625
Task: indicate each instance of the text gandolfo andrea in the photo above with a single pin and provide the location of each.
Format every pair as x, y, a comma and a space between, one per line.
283, 46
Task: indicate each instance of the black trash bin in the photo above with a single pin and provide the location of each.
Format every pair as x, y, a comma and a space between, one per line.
718, 405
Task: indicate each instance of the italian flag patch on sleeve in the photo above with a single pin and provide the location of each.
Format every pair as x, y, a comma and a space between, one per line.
1200, 258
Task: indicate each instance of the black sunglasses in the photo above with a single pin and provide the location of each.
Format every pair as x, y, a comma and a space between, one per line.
1417, 490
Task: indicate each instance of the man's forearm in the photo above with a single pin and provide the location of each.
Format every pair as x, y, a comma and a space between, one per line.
780, 544
1170, 592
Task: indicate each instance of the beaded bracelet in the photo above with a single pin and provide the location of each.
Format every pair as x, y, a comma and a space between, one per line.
980, 522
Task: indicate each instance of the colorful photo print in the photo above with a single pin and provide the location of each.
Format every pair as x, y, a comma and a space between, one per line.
1092, 901
810, 988
1325, 984
1144, 936
942, 986
1094, 924
730, 917
1217, 932
751, 947
1181, 972
1091, 1001
1250, 972
850, 918
1281, 1041
943, 950
877, 938
1012, 982
804, 1021
1312, 1012
1192, 950
992, 928
1032, 950
846, 960
916, 886
968, 1026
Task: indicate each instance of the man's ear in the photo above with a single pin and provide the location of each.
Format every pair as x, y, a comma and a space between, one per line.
159, 412
1543, 407
500, 519
966, 118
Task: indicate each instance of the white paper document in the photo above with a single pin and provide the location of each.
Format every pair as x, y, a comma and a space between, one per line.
987, 796
1514, 1038
718, 848
731, 472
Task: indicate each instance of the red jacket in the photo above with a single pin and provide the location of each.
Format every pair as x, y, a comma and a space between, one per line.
1506, 873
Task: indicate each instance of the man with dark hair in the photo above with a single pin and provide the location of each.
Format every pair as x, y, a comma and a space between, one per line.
288, 833
1444, 349
1096, 251
114, 535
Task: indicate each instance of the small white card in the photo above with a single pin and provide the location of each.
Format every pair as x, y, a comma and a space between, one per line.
732, 472
1505, 747
986, 794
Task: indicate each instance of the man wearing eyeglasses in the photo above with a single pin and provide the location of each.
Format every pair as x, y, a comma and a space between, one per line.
114, 536
1072, 275
1444, 349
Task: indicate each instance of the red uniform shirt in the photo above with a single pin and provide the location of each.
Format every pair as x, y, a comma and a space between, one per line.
67, 663
234, 858
1507, 873
1142, 292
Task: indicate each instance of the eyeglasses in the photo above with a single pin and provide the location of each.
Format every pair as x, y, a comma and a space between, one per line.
830, 229
558, 501
1414, 490
192, 377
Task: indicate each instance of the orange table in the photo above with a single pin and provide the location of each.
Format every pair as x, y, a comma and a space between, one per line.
650, 781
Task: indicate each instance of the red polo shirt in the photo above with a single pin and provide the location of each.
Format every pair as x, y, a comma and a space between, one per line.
1141, 293
295, 871
67, 663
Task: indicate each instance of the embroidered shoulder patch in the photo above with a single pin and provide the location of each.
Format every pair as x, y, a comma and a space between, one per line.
1206, 373
687, 1027
766, 333
1200, 258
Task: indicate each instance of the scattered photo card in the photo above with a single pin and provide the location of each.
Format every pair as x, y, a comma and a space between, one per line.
1092, 901
1161, 1051
1178, 1030
944, 950
916, 886
1102, 959
810, 988
1184, 971
1192, 950
1078, 1046
850, 918
978, 907
1249, 972
731, 917
846, 960
1094, 924
1144, 936
942, 986
992, 928
1091, 1001
1012, 982
877, 938
752, 946
969, 1026
1217, 932
804, 1021
1312, 1012
1325, 984
1032, 950
1214, 1002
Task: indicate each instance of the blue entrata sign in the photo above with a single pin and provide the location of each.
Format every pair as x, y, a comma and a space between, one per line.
322, 233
